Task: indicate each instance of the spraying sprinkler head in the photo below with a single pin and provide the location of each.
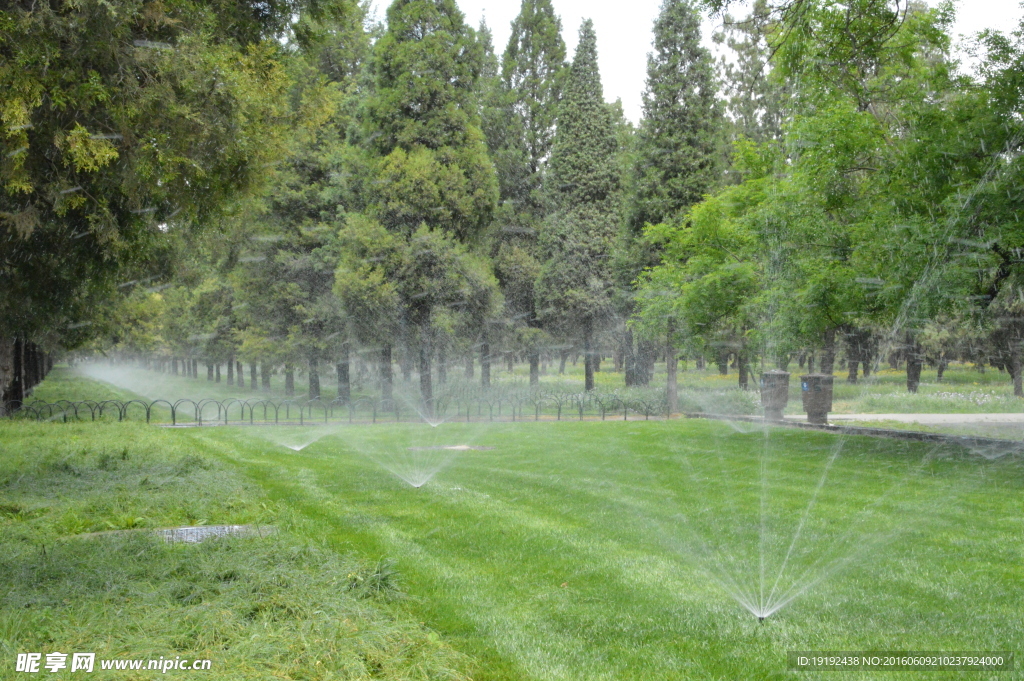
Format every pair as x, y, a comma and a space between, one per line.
761, 620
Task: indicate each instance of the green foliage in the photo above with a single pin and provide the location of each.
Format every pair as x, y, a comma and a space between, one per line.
422, 118
678, 139
121, 121
830, 226
283, 267
533, 73
755, 97
427, 280
574, 289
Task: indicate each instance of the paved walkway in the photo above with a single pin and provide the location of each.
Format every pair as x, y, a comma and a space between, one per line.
930, 419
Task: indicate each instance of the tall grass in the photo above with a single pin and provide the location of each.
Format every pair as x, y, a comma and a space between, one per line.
79, 573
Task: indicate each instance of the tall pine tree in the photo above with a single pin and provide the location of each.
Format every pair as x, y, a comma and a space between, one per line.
520, 108
676, 157
423, 122
533, 73
432, 183
678, 140
755, 101
574, 289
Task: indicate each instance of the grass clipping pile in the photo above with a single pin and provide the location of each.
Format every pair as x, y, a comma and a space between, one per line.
257, 607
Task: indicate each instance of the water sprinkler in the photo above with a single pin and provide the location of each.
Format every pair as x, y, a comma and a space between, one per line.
761, 618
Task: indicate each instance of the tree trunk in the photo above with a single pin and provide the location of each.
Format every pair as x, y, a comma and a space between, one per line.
6, 373
671, 365
851, 377
810, 362
406, 365
534, 368
195, 368
174, 366
940, 369
510, 361
699, 362
289, 380
588, 359
231, 370
913, 363
723, 362
647, 353
629, 358
386, 378
562, 356
744, 369
442, 365
485, 364
1015, 370
828, 355
216, 372
344, 386
469, 366
12, 392
265, 370
240, 376
253, 382
209, 372
314, 378
426, 387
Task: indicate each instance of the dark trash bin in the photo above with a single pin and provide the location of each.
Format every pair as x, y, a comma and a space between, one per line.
816, 390
774, 393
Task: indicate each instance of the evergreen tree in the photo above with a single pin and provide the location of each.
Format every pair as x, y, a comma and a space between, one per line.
678, 140
676, 155
285, 275
520, 107
574, 289
122, 122
533, 74
422, 117
754, 99
429, 167
503, 128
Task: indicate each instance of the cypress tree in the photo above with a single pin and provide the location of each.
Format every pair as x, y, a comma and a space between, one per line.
533, 72
422, 122
676, 156
520, 108
679, 137
755, 100
574, 288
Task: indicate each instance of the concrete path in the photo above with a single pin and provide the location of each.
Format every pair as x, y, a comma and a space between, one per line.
929, 419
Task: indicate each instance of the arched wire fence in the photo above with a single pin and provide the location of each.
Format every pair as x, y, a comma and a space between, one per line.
464, 404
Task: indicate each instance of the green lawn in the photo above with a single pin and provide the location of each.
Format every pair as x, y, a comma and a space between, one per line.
609, 550
594, 550
80, 573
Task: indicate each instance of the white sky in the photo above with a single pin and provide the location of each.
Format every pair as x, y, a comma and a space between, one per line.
624, 33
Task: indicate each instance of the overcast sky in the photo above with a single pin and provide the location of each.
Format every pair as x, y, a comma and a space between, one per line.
624, 33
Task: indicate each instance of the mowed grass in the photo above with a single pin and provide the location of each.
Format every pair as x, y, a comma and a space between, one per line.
80, 572
621, 550
615, 550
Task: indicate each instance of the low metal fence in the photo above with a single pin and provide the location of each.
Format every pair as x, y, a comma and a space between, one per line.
468, 406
